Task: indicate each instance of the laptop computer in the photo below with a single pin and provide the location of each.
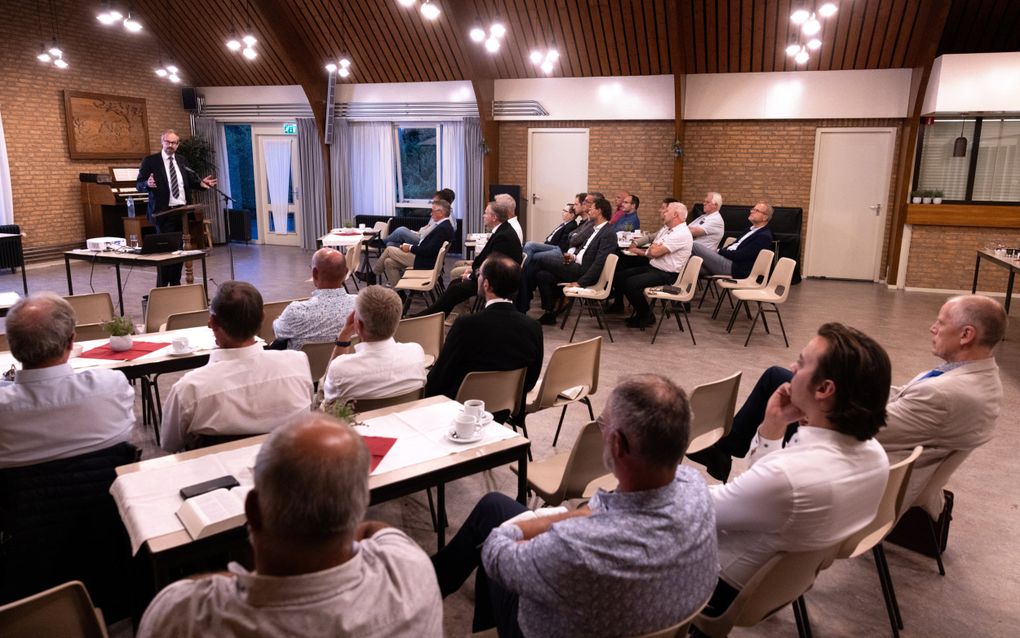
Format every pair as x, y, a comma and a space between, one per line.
161, 243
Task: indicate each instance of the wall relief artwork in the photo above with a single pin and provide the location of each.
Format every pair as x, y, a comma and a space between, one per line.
105, 126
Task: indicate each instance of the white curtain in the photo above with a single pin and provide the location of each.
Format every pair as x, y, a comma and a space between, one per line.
6, 197
210, 131
223, 171
277, 153
373, 171
454, 165
340, 160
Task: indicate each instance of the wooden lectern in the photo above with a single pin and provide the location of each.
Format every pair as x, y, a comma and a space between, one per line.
189, 213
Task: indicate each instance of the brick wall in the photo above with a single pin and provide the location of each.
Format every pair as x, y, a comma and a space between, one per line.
634, 156
943, 257
44, 181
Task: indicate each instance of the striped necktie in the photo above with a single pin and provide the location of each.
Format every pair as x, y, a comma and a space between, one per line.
175, 187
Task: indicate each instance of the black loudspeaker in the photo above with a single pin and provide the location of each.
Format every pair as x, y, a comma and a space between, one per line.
512, 190
189, 99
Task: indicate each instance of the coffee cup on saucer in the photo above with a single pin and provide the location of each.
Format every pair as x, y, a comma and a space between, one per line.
180, 345
466, 426
474, 408
76, 350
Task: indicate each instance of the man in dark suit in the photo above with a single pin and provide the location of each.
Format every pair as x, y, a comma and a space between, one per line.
581, 268
420, 255
497, 338
502, 241
737, 259
168, 179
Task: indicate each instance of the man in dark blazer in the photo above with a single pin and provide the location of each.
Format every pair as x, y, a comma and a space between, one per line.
497, 338
581, 268
502, 241
167, 179
737, 259
420, 255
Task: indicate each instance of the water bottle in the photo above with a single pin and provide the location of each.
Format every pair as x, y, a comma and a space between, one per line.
131, 206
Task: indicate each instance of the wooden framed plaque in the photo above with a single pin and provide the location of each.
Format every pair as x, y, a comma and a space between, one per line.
105, 126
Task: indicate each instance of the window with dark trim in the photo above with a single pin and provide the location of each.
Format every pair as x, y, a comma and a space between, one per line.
989, 172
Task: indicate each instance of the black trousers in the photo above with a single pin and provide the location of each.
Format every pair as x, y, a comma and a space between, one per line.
548, 277
494, 605
168, 275
752, 413
633, 281
456, 292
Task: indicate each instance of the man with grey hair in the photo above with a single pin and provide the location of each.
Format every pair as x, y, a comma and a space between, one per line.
378, 366
319, 569
511, 217
317, 320
708, 229
737, 259
244, 389
420, 255
600, 570
50, 411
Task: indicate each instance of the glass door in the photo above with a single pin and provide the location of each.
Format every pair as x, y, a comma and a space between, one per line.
278, 200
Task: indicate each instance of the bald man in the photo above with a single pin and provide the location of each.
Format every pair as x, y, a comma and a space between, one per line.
319, 569
319, 319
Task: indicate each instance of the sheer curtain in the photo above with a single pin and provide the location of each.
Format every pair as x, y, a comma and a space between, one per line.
474, 198
6, 197
313, 179
454, 165
372, 169
208, 129
340, 159
277, 153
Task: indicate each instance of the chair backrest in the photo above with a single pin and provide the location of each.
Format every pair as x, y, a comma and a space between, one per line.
584, 464
65, 610
782, 277
270, 312
605, 281
678, 630
383, 228
4, 346
574, 365
193, 319
500, 390
932, 491
168, 300
426, 331
353, 259
366, 405
318, 358
760, 270
728, 241
687, 281
95, 307
89, 331
437, 268
712, 407
888, 508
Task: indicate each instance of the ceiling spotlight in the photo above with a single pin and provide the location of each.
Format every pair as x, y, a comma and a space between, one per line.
331, 67
477, 34
802, 56
172, 69
344, 71
175, 78
131, 24
799, 16
827, 9
553, 55
109, 15
492, 45
406, 3
249, 53
814, 44
106, 18
43, 57
344, 63
536, 57
161, 72
547, 67
497, 30
249, 40
59, 63
233, 44
812, 26
429, 11
55, 50
792, 49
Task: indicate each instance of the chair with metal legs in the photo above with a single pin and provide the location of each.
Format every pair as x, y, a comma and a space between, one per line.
773, 294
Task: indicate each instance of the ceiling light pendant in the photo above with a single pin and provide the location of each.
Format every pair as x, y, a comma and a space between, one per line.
814, 44
429, 10
344, 72
162, 72
827, 10
812, 26
492, 45
799, 16
960, 143
477, 34
60, 63
54, 50
802, 56
331, 67
132, 24
249, 40
43, 55
344, 63
792, 49
497, 30
174, 78
249, 53
547, 67
234, 44
406, 3
536, 57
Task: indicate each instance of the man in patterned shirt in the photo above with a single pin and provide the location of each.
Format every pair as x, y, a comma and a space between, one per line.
633, 561
319, 319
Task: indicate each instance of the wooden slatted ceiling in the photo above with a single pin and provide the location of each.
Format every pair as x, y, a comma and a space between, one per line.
390, 43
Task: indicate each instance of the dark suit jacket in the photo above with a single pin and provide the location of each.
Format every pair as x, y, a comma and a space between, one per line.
744, 256
505, 241
159, 197
595, 257
427, 250
497, 338
560, 237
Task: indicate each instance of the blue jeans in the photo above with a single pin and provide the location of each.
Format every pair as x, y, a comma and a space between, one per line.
402, 235
533, 247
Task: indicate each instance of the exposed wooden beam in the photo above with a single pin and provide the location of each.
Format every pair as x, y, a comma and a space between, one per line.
678, 65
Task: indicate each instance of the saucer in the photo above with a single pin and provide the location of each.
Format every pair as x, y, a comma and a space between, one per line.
486, 418
452, 436
181, 353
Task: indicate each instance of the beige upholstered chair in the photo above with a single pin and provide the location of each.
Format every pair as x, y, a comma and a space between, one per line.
687, 282
95, 307
773, 294
756, 280
566, 475
192, 319
592, 298
366, 405
712, 407
426, 331
169, 300
65, 610
411, 283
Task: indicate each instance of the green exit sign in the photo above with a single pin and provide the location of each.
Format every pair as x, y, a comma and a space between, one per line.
290, 129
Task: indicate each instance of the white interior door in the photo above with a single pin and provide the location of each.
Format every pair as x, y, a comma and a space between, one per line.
276, 189
557, 171
849, 191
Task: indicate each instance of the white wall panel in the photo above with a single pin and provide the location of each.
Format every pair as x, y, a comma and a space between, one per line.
646, 97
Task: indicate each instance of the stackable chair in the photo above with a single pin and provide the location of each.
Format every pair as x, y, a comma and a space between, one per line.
412, 283
270, 312
90, 331
426, 331
592, 298
318, 359
353, 257
933, 489
192, 319
96, 307
168, 300
378, 243
65, 610
367, 405
773, 294
566, 475
756, 280
687, 282
712, 405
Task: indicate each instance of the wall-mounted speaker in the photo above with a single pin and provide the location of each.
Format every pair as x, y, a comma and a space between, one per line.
189, 99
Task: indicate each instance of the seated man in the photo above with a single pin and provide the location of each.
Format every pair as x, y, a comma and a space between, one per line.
502, 241
421, 256
405, 235
667, 256
827, 483
511, 217
953, 407
737, 259
497, 338
628, 220
244, 389
319, 570
50, 411
575, 240
580, 269
378, 366
559, 238
317, 320
632, 561
708, 229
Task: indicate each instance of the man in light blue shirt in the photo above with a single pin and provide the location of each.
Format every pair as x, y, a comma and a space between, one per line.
317, 320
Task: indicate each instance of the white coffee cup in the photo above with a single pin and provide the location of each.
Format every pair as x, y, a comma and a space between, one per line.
474, 408
466, 426
76, 350
361, 226
180, 344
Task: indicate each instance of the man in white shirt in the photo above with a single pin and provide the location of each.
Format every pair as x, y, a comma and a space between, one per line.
244, 389
708, 229
317, 320
827, 482
51, 412
511, 219
319, 569
378, 366
667, 256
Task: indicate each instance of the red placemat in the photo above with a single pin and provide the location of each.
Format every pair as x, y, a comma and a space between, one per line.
355, 234
138, 348
378, 446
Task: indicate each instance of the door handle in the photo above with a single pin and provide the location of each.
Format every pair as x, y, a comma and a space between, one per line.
534, 198
877, 208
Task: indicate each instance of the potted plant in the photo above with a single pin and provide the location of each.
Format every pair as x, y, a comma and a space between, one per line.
915, 197
198, 153
341, 411
936, 197
119, 329
925, 197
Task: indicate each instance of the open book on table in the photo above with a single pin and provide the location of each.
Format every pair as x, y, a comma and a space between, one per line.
213, 512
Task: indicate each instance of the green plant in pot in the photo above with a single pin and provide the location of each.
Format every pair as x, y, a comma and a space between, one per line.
341, 411
198, 153
915, 197
119, 329
926, 197
936, 197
